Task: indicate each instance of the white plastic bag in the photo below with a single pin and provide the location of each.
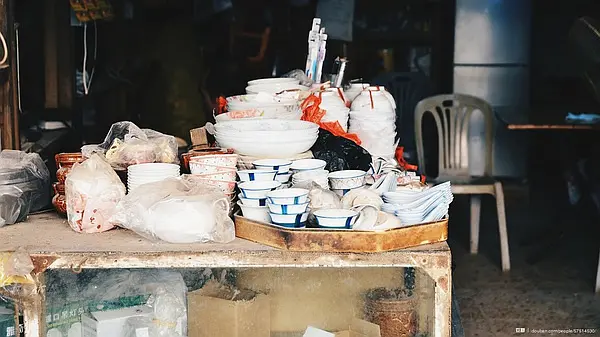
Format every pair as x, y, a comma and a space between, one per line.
93, 190
177, 210
126, 144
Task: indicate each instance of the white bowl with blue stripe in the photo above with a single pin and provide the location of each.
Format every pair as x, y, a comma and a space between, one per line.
336, 218
256, 175
280, 165
258, 189
288, 196
290, 220
287, 209
252, 202
301, 165
343, 192
283, 177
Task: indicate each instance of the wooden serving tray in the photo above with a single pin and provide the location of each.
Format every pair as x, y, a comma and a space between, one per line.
340, 240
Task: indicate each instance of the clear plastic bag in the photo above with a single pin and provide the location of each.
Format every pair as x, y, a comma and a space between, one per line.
24, 185
177, 210
93, 190
300, 76
15, 267
126, 144
164, 291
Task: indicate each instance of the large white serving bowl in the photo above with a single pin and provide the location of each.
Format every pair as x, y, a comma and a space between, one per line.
269, 136
274, 88
274, 80
274, 149
265, 125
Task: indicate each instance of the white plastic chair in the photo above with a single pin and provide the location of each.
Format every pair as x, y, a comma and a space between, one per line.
452, 117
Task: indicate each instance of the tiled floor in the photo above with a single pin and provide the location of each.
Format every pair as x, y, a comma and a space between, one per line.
555, 293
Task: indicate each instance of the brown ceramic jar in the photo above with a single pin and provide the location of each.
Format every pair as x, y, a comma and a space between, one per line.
64, 163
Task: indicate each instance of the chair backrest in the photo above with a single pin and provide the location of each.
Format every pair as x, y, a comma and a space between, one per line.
452, 115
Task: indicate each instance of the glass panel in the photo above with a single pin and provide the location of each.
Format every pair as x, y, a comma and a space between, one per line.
399, 300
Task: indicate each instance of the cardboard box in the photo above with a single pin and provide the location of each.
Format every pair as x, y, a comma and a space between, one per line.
111, 323
361, 328
220, 311
358, 328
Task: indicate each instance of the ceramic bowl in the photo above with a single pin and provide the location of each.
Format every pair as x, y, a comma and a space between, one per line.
307, 165
288, 196
228, 160
273, 80
283, 177
258, 189
280, 165
311, 175
342, 192
287, 209
290, 220
201, 168
336, 218
274, 88
252, 202
256, 175
260, 213
227, 186
223, 175
347, 179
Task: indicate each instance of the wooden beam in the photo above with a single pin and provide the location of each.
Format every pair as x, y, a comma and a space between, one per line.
51, 54
12, 58
64, 49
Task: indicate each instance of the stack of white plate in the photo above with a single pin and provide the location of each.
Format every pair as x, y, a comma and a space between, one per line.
413, 207
373, 119
149, 173
267, 138
269, 106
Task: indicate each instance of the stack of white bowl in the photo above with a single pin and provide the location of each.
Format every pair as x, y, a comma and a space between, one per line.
253, 199
267, 138
280, 166
306, 178
345, 181
354, 90
149, 173
288, 207
332, 101
306, 171
373, 119
413, 207
269, 106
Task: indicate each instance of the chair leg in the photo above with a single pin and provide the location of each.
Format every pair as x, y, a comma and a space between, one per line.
598, 278
502, 226
475, 218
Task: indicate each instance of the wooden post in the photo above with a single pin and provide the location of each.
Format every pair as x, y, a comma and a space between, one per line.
50, 54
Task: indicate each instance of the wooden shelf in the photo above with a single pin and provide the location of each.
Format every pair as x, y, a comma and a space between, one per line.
49, 235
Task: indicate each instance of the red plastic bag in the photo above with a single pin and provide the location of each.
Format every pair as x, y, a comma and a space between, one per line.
312, 113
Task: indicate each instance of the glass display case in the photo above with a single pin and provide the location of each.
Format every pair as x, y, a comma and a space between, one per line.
77, 275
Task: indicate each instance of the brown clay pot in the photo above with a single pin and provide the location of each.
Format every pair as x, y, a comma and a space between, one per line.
396, 316
59, 201
58, 188
64, 163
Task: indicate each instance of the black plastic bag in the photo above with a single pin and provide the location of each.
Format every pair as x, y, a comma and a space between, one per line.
340, 153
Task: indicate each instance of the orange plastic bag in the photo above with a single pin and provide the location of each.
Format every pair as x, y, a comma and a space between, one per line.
312, 113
